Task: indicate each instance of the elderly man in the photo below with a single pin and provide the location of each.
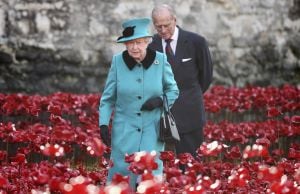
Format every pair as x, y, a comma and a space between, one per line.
191, 63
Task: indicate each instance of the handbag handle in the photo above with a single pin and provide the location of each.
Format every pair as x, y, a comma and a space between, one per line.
165, 103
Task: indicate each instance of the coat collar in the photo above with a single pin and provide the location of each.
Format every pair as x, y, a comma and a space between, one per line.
147, 62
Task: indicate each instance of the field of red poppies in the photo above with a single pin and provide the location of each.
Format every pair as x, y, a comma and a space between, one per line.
51, 144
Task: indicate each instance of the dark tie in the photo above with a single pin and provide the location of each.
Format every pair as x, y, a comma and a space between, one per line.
169, 51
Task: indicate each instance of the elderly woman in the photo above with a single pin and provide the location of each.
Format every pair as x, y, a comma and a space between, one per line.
137, 80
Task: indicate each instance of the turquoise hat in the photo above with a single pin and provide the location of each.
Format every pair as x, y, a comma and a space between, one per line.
135, 28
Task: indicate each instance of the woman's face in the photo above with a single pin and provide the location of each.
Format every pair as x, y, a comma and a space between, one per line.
137, 48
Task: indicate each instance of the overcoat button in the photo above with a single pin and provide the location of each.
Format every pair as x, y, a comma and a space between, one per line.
138, 130
139, 97
139, 80
139, 114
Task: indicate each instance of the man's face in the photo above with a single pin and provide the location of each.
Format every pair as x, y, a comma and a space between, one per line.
164, 24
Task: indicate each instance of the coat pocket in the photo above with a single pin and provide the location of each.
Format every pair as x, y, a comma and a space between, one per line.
186, 59
130, 140
117, 133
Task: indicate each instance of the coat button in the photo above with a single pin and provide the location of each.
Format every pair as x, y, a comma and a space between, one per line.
139, 65
139, 130
139, 80
139, 97
139, 114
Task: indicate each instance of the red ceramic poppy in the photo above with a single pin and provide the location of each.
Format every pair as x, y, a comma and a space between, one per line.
255, 151
54, 183
118, 178
295, 119
233, 153
171, 172
215, 186
119, 184
3, 155
19, 158
3, 182
149, 186
41, 178
239, 177
77, 185
270, 174
143, 161
54, 109
195, 189
185, 158
211, 149
205, 181
121, 188
95, 146
180, 181
167, 156
263, 141
283, 186
294, 154
52, 150
297, 174
273, 112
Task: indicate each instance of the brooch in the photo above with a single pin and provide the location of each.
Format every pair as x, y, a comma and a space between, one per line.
156, 62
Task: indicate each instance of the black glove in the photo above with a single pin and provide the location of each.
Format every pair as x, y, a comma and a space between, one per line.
104, 132
152, 103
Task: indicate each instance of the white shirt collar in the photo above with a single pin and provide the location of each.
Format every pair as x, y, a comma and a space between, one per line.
175, 35
174, 40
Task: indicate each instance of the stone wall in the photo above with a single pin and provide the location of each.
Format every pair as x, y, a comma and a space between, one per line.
67, 45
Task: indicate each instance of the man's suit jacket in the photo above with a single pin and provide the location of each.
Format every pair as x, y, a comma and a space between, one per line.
193, 73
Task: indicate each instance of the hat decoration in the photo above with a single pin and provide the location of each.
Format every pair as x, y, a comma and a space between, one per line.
129, 31
134, 29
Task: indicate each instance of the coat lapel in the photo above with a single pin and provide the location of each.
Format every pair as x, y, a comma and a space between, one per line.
180, 47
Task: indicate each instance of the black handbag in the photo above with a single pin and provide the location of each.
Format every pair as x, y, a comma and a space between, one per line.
168, 131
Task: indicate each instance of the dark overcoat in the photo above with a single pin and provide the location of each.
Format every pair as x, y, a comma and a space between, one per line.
193, 73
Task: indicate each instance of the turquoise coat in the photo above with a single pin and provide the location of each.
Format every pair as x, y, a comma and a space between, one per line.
128, 86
